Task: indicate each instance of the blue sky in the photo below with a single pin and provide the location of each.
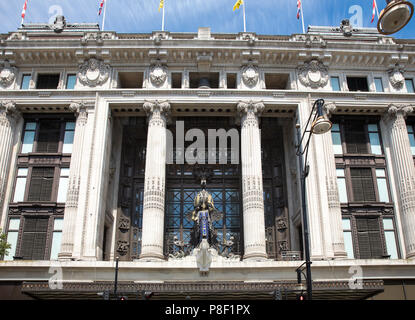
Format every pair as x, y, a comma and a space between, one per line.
142, 16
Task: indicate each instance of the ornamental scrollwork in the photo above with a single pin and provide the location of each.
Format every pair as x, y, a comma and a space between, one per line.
396, 77
313, 74
122, 247
250, 75
158, 75
7, 75
93, 73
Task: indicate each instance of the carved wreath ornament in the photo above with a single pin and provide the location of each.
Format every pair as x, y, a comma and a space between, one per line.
313, 74
7, 75
158, 75
93, 73
396, 77
250, 75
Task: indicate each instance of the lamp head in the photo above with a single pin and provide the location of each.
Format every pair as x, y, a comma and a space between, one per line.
395, 16
322, 124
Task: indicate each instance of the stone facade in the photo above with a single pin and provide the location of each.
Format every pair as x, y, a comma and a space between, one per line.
250, 78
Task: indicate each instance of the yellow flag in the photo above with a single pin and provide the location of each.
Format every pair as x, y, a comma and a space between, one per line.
237, 4
161, 4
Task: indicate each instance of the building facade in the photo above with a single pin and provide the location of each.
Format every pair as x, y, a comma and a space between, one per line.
103, 135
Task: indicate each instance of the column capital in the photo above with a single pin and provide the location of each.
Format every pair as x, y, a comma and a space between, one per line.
8, 111
80, 109
157, 106
245, 107
395, 110
330, 108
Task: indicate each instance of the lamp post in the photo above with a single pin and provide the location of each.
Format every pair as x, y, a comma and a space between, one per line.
319, 125
395, 16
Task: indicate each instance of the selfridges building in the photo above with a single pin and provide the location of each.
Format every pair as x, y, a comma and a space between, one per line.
177, 154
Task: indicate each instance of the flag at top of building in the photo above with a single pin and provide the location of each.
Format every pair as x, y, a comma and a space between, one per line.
374, 10
24, 11
298, 8
161, 4
237, 4
101, 5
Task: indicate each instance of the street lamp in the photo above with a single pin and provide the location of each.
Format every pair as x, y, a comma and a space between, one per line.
320, 124
395, 16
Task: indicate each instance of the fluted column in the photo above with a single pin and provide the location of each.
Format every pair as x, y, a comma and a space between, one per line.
404, 171
8, 119
154, 184
252, 190
71, 205
334, 212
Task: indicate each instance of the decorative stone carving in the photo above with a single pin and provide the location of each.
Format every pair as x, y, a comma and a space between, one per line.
124, 224
59, 24
346, 28
330, 108
396, 77
158, 75
281, 224
7, 75
393, 110
313, 74
250, 75
93, 73
122, 247
250, 106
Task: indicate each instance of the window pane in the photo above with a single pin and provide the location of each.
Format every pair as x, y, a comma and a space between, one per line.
337, 143
56, 245
409, 85
372, 127
335, 83
14, 224
68, 142
12, 240
25, 81
30, 126
380, 173
412, 143
58, 224
22, 172
379, 85
64, 172
340, 172
346, 224
335, 127
70, 126
63, 188
375, 143
20, 190
410, 128
348, 244
70, 81
383, 190
391, 244
388, 224
28, 139
341, 183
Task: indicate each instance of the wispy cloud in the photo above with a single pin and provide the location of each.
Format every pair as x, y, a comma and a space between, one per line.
139, 16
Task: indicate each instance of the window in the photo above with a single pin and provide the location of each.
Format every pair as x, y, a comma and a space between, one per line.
382, 185
70, 81
25, 81
362, 185
48, 136
390, 238
335, 83
41, 183
47, 81
276, 81
336, 138
29, 137
204, 80
361, 138
231, 81
341, 184
411, 134
379, 85
56, 238
357, 84
12, 236
374, 139
348, 239
68, 137
63, 185
20, 188
176, 80
369, 238
34, 238
133, 80
409, 83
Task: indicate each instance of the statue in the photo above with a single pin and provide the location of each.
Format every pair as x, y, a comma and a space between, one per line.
203, 217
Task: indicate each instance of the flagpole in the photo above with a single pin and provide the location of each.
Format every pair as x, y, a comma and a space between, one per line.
302, 16
244, 16
103, 18
377, 10
162, 19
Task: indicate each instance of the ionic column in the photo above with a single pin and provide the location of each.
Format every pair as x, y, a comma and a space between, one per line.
334, 212
252, 190
71, 205
155, 177
404, 171
8, 119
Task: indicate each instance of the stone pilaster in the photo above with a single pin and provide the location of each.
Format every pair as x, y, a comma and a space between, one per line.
252, 189
154, 185
404, 171
8, 119
334, 212
71, 206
